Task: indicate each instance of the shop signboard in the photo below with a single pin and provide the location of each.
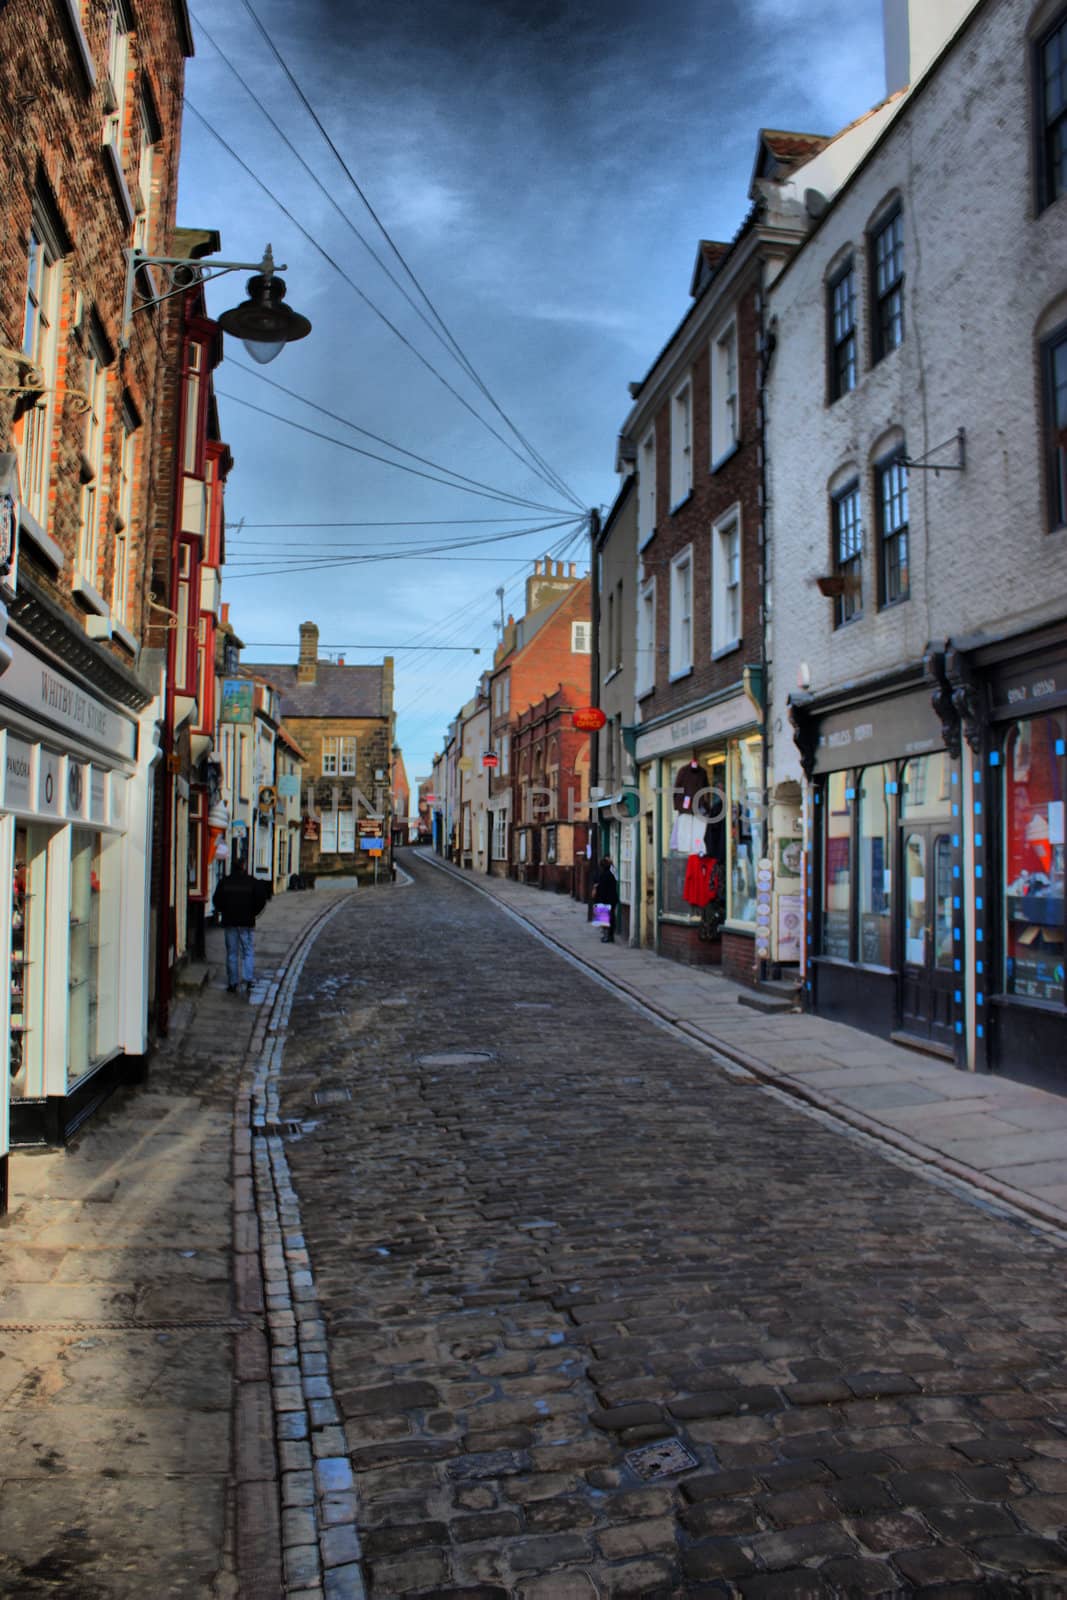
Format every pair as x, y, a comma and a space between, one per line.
372, 842
1018, 692
49, 793
18, 773
237, 700
41, 690
288, 786
879, 730
700, 727
789, 927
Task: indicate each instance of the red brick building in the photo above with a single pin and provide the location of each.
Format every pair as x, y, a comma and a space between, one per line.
551, 761
550, 645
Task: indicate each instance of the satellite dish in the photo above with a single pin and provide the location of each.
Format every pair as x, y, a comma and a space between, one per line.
815, 204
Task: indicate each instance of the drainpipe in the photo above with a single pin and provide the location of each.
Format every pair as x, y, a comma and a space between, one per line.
594, 674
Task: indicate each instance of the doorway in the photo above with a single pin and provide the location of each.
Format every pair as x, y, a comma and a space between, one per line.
927, 981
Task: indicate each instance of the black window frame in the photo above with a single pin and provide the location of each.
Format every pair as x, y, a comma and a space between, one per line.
1054, 437
891, 540
835, 346
1046, 131
848, 606
887, 298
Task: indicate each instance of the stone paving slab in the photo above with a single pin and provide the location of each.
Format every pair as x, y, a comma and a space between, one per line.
121, 1327
1005, 1164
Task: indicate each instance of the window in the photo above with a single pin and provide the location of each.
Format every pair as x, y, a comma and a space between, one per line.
191, 420
92, 468
746, 803
681, 445
581, 638
645, 665
726, 584
1055, 369
681, 643
328, 833
646, 489
339, 757
1052, 114
891, 486
887, 285
504, 751
1034, 796
842, 319
149, 136
118, 63
848, 554
500, 835
875, 874
40, 340
725, 419
120, 605
346, 832
837, 867
616, 648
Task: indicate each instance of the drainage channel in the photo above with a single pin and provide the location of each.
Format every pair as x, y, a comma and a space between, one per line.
320, 1543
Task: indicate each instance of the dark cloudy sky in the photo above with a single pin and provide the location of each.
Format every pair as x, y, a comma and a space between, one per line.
546, 170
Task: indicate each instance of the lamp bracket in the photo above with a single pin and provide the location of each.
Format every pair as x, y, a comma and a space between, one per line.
188, 271
924, 464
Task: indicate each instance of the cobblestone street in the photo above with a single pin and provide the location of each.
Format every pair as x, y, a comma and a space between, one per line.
546, 1232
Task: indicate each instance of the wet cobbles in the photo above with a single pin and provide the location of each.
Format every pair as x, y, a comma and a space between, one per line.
531, 1266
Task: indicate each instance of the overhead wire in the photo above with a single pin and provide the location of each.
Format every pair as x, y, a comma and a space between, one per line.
451, 343
327, 257
332, 563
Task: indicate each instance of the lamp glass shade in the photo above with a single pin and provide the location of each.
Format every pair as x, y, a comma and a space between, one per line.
263, 352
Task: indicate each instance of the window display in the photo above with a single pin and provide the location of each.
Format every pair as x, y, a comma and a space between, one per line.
746, 793
1034, 773
837, 867
83, 976
875, 869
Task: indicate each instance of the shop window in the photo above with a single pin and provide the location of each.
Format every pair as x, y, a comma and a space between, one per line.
550, 846
1051, 97
841, 315
837, 867
924, 788
1054, 363
86, 949
746, 796
694, 810
1035, 770
875, 870
891, 493
28, 960
887, 285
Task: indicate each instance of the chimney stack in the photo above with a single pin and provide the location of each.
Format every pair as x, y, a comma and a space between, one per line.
340, 661
308, 666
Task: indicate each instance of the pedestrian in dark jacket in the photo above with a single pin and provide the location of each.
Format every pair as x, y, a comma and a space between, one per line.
238, 900
606, 893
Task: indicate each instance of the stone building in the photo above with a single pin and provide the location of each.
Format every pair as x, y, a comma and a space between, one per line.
342, 719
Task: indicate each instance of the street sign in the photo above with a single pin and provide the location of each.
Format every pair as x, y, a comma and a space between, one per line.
374, 844
490, 760
589, 718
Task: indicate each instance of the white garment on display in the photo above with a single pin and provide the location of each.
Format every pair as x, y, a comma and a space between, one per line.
687, 835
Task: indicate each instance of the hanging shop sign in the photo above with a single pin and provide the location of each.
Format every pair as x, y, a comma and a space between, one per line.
237, 700
490, 760
311, 828
589, 719
289, 786
268, 798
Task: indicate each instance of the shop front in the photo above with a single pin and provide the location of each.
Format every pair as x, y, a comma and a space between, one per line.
886, 929
1017, 816
701, 788
74, 925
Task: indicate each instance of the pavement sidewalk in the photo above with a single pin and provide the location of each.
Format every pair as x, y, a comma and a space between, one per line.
1005, 1138
130, 1312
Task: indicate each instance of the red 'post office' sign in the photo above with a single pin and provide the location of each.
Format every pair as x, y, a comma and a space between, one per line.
589, 719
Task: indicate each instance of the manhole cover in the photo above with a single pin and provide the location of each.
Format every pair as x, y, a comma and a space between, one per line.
455, 1058
661, 1459
332, 1097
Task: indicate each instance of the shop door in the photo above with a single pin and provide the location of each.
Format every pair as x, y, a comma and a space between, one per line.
926, 965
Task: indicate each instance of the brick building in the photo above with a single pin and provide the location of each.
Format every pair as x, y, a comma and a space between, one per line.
90, 110
551, 761
550, 645
919, 550
342, 718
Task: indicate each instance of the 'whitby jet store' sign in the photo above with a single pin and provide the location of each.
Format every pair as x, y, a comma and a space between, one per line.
47, 696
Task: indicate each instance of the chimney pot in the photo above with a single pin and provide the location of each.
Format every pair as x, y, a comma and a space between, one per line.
340, 661
307, 670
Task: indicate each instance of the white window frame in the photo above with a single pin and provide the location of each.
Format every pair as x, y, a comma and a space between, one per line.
40, 341
500, 834
681, 444
142, 222
581, 638
118, 71
725, 394
128, 450
346, 832
92, 488
646, 488
328, 830
727, 620
504, 751
339, 756
645, 664
681, 624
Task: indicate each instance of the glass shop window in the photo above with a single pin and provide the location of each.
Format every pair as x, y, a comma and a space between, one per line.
837, 867
86, 948
1034, 782
926, 786
746, 801
27, 959
875, 869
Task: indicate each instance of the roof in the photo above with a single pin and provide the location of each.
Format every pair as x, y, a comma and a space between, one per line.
338, 691
286, 738
779, 151
709, 253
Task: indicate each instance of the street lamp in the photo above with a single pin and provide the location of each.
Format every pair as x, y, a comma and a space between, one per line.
264, 322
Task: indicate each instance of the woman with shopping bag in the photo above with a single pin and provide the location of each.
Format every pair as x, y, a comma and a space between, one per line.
605, 900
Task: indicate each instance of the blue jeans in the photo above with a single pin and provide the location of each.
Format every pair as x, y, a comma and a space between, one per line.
240, 955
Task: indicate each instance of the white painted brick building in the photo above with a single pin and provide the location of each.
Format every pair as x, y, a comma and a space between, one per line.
950, 361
